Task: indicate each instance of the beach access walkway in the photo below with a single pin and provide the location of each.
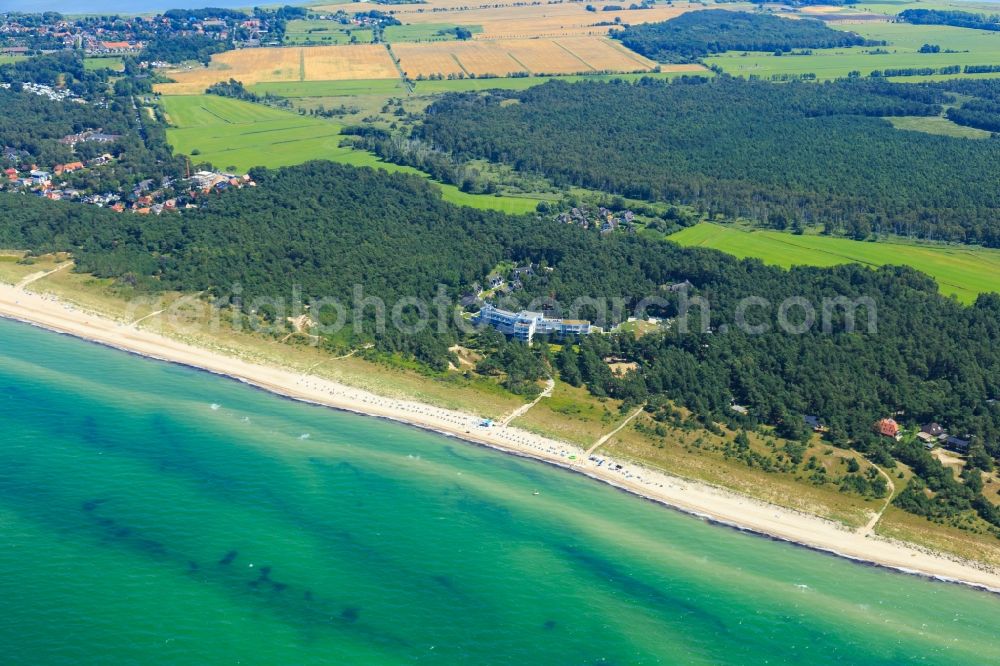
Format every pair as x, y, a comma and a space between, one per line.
35, 277
869, 527
550, 386
604, 438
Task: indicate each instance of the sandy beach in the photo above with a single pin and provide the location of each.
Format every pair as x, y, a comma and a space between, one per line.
697, 498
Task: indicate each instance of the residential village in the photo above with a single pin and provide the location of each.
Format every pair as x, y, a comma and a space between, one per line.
601, 218
147, 197
22, 34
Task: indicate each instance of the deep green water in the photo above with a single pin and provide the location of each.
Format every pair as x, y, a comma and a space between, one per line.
140, 525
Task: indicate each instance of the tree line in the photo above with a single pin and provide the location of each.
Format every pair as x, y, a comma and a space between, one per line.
959, 19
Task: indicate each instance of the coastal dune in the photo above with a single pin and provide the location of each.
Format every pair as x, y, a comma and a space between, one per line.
700, 499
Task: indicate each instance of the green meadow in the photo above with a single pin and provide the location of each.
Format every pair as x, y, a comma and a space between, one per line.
893, 7
331, 88
237, 135
937, 125
972, 47
7, 59
962, 271
425, 32
113, 63
299, 32
525, 82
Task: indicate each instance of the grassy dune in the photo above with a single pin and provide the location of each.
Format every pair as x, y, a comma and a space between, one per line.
963, 271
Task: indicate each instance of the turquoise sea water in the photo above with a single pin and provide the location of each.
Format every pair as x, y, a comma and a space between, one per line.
154, 514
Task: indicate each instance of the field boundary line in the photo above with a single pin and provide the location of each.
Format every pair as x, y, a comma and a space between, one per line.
213, 113
631, 55
399, 68
525, 67
517, 62
454, 56
566, 49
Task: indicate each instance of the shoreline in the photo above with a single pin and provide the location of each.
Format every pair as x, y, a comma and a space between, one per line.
695, 498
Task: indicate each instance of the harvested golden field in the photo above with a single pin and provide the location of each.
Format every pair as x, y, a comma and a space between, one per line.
417, 60
541, 21
606, 54
356, 61
315, 63
821, 9
572, 55
512, 21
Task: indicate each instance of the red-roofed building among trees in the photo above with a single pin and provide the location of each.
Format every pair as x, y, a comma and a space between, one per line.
887, 428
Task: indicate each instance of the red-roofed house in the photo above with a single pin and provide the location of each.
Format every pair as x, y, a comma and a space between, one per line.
120, 47
887, 428
68, 168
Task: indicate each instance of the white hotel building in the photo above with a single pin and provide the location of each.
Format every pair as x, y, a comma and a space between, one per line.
524, 325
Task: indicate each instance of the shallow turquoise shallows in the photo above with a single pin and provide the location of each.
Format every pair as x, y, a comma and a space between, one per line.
154, 514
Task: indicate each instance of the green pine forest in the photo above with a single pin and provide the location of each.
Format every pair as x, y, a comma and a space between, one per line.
820, 155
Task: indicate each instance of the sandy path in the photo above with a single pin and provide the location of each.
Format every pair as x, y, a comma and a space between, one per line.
600, 442
697, 498
550, 386
870, 527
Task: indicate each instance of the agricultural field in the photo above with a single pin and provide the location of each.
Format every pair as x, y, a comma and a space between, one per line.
331, 88
300, 32
236, 135
111, 62
963, 271
972, 47
230, 133
530, 20
525, 82
313, 63
893, 7
425, 32
571, 55
7, 59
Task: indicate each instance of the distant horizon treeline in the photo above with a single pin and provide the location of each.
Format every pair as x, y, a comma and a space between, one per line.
958, 19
